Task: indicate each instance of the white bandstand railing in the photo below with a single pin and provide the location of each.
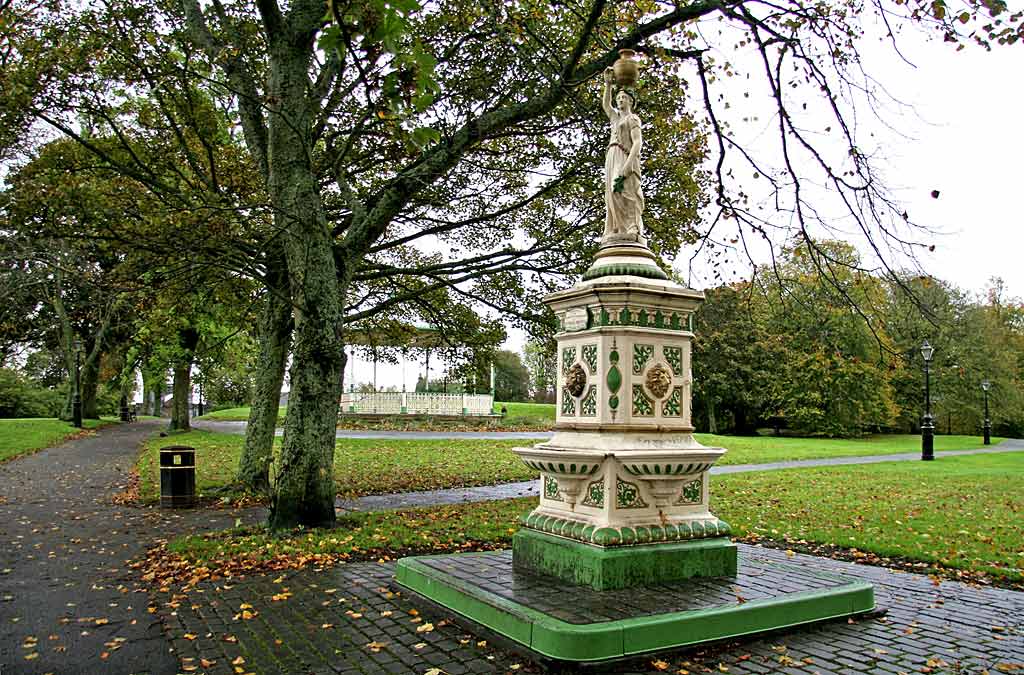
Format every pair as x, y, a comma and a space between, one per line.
410, 403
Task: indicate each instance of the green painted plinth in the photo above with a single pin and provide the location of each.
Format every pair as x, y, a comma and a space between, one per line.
612, 568
555, 621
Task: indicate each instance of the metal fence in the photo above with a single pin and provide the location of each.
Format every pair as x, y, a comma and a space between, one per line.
408, 403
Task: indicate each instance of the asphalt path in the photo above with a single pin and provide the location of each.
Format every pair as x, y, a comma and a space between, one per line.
68, 602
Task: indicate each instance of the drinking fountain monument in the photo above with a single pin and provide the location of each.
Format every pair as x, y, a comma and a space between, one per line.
623, 555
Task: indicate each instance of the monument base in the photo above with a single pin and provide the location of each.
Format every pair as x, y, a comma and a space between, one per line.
557, 621
613, 568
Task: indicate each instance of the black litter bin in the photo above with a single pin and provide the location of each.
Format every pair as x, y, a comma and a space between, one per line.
177, 477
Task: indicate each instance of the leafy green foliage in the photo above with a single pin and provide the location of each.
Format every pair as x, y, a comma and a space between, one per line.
19, 397
841, 356
511, 379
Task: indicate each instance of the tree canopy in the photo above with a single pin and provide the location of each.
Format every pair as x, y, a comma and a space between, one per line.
360, 157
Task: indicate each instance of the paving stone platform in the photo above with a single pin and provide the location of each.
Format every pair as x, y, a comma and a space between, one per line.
354, 618
568, 623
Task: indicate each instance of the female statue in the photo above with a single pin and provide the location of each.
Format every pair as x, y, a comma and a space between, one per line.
623, 196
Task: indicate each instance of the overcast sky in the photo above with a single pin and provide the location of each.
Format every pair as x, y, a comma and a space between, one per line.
962, 136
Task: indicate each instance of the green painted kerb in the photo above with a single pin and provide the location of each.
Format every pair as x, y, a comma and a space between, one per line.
606, 569
646, 271
557, 639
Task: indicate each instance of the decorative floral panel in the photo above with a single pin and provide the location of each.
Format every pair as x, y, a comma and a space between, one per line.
641, 354
673, 405
568, 358
674, 356
588, 406
551, 489
693, 493
643, 406
568, 403
589, 355
627, 495
594, 495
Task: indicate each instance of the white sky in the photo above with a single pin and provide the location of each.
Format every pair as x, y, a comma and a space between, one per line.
963, 137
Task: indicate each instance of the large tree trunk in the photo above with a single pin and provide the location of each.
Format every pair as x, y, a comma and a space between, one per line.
180, 389
302, 480
188, 339
275, 336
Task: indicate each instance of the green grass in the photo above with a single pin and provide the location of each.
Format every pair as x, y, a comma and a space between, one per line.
361, 466
23, 436
962, 513
540, 415
760, 449
375, 466
239, 415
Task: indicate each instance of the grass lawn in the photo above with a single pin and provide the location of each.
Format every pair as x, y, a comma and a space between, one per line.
240, 415
375, 466
361, 466
540, 415
23, 436
962, 513
519, 415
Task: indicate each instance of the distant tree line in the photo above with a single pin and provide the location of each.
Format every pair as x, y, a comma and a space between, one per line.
841, 357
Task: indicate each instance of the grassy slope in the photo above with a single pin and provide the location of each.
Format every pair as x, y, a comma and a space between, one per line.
963, 513
373, 466
23, 436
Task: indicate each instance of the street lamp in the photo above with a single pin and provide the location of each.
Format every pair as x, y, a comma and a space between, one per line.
201, 411
927, 424
76, 401
985, 386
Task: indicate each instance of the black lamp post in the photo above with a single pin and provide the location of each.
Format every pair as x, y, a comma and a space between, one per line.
200, 397
987, 426
76, 400
928, 423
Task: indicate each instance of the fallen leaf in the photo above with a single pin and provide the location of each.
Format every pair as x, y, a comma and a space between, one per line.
425, 628
659, 665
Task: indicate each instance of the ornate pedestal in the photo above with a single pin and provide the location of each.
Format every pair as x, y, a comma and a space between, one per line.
622, 556
625, 485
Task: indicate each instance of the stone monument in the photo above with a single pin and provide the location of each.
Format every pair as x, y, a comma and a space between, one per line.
623, 555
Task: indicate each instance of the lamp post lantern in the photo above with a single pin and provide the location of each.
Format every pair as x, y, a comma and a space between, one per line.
76, 400
928, 423
987, 426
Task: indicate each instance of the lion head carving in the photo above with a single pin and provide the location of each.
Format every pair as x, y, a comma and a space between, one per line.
576, 380
659, 380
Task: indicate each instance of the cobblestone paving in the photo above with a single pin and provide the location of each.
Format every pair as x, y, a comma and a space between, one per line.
355, 619
531, 488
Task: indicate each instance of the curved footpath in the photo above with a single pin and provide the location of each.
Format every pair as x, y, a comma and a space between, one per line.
68, 603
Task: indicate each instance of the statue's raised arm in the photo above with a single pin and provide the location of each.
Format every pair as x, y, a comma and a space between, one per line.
606, 95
